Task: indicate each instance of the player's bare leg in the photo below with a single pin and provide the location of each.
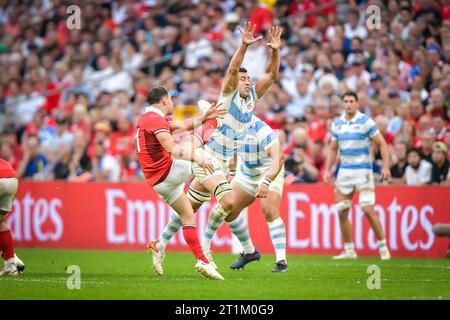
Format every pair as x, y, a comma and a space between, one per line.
375, 222
7, 249
218, 186
197, 195
239, 227
183, 207
277, 229
343, 204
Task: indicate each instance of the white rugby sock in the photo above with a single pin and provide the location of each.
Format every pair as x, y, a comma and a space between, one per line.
277, 232
382, 244
171, 228
239, 227
349, 247
214, 221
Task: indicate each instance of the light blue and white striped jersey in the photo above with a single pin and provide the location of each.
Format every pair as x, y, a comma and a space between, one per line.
354, 140
253, 153
226, 140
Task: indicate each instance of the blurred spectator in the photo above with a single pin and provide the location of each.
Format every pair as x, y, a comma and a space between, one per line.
418, 171
441, 165
400, 162
426, 145
33, 162
97, 79
61, 170
299, 171
105, 167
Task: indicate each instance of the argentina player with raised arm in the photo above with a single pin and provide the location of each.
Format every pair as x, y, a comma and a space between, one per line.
239, 98
352, 135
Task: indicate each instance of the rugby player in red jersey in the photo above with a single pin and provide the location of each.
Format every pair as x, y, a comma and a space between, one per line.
167, 165
8, 188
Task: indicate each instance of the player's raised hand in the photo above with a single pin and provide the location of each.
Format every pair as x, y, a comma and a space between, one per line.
274, 37
247, 33
215, 111
262, 190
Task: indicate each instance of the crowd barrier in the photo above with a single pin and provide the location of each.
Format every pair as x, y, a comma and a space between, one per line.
125, 216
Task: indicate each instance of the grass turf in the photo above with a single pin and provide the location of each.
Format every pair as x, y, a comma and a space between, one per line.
129, 275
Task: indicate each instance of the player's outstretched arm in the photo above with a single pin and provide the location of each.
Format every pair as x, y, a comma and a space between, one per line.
384, 150
331, 160
182, 152
215, 111
231, 79
273, 65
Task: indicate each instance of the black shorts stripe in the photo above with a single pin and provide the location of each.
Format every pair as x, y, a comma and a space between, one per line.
219, 185
222, 191
190, 193
199, 193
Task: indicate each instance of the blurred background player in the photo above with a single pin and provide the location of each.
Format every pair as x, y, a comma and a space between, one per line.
352, 134
156, 150
8, 188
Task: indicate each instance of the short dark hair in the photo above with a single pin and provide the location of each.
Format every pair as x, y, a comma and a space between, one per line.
415, 150
156, 94
242, 69
350, 94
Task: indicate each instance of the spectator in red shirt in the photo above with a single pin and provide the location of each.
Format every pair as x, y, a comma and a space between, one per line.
261, 16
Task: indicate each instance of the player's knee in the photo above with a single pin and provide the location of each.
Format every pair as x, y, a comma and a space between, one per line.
197, 198
232, 216
367, 200
343, 207
270, 212
228, 200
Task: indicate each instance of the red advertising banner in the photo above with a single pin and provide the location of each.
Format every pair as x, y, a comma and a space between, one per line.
125, 216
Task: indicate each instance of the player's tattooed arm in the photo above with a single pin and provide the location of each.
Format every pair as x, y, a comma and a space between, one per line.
271, 74
231, 79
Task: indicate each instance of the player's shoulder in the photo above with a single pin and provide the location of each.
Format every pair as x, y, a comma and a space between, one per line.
152, 120
337, 122
258, 124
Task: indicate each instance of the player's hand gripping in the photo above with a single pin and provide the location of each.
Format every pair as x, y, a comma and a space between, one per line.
274, 37
215, 111
247, 34
262, 190
205, 163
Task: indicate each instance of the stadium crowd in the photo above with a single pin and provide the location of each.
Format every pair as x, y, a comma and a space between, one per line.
69, 98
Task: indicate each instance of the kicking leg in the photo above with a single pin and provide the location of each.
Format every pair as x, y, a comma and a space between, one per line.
7, 248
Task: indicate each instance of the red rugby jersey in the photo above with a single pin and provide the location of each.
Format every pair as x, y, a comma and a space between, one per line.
154, 160
6, 170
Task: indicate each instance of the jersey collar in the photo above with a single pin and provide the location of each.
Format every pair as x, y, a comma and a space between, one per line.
153, 109
355, 117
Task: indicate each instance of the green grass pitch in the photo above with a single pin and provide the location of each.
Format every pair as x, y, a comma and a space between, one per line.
129, 275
